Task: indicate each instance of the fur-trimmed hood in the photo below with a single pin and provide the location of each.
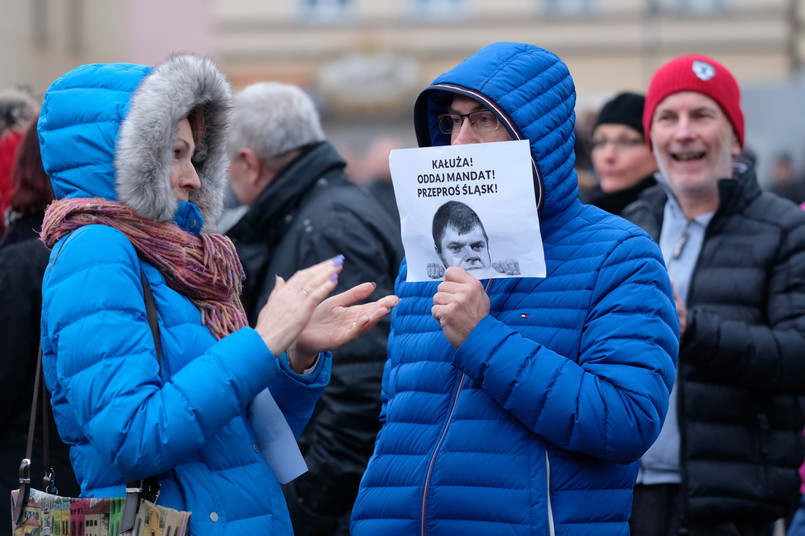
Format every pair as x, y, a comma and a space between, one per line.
107, 130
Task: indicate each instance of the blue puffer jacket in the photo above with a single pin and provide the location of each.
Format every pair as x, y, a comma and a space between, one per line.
534, 424
122, 418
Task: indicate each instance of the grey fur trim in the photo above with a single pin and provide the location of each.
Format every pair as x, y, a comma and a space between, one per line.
145, 142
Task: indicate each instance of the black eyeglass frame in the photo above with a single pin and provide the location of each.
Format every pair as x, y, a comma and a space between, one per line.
447, 121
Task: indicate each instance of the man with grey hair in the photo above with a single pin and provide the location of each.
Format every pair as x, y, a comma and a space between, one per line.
303, 209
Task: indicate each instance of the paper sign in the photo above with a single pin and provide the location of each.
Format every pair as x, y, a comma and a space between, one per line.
275, 438
471, 206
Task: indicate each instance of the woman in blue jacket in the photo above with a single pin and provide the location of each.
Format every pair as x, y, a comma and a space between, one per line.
520, 406
137, 161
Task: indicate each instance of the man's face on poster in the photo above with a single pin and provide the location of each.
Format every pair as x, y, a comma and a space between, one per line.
469, 250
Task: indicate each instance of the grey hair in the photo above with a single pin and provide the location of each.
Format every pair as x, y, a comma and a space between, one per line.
17, 109
272, 118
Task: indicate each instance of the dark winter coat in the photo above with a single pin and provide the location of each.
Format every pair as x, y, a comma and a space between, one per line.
616, 202
742, 356
22, 263
311, 212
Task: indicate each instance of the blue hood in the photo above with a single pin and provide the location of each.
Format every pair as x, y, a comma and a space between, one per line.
106, 130
531, 91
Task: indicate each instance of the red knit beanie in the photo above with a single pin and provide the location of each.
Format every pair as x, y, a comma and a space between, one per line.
701, 74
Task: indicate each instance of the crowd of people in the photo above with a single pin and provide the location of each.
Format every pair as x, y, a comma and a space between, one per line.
649, 384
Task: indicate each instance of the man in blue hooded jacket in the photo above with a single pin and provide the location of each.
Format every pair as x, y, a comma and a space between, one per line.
520, 405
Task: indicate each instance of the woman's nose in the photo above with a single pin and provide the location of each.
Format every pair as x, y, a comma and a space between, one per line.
191, 180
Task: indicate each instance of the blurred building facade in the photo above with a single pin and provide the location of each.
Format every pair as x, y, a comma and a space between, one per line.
365, 60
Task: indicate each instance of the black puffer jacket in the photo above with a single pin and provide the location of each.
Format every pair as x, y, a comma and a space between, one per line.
309, 213
742, 356
616, 202
23, 259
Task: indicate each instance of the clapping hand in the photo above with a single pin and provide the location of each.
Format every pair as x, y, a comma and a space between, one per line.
291, 304
298, 319
336, 322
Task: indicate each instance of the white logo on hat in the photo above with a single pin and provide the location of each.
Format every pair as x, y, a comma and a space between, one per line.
703, 70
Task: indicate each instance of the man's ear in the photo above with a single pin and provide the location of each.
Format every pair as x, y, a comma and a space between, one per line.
251, 165
735, 145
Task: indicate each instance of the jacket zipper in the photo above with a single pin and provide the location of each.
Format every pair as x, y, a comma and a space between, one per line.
551, 530
441, 439
436, 451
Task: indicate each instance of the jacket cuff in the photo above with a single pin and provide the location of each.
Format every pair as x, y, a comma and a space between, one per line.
474, 353
319, 375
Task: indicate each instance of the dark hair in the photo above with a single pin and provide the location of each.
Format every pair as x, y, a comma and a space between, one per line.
197, 123
457, 215
31, 191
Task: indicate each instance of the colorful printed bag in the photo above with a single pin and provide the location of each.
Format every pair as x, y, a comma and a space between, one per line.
69, 516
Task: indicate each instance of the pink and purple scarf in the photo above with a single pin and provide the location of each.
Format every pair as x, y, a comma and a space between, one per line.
204, 268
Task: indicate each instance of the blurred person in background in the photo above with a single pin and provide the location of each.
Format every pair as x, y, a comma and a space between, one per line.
302, 208
23, 258
624, 164
377, 175
784, 180
17, 111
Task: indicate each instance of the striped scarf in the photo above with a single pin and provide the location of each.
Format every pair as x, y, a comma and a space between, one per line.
204, 268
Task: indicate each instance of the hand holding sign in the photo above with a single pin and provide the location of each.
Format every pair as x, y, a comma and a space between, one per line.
456, 210
459, 305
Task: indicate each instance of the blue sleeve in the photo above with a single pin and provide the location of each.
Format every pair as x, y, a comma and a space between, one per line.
100, 361
611, 402
296, 395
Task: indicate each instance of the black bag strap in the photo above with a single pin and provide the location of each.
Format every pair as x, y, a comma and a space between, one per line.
147, 489
18, 506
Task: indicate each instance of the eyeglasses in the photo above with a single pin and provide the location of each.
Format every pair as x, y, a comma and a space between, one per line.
619, 144
480, 121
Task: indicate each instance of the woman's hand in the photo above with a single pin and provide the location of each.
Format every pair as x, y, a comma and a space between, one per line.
291, 304
336, 322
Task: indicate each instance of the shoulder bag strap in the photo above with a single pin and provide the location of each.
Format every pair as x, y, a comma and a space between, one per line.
18, 506
148, 488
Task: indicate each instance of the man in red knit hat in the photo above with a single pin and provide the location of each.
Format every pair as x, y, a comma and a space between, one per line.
726, 459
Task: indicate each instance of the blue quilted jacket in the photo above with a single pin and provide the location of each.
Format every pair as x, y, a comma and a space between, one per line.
122, 418
534, 424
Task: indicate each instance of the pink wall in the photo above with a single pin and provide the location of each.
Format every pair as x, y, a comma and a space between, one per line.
159, 27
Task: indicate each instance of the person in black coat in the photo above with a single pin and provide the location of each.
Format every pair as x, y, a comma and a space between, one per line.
727, 458
303, 208
23, 258
623, 162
